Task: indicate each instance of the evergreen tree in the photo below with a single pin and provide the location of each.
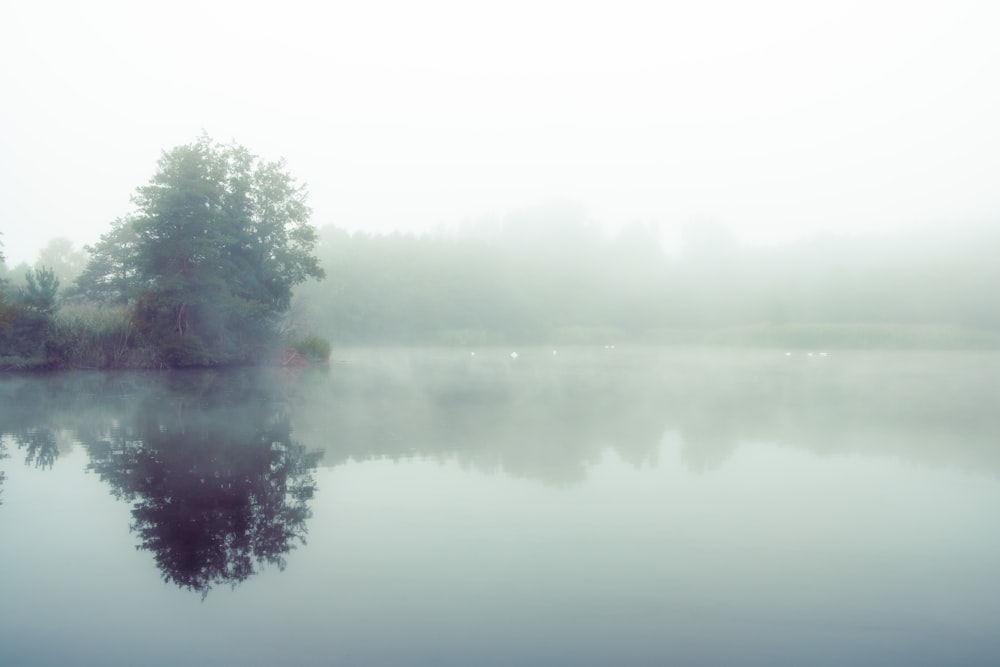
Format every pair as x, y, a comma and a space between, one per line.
110, 276
41, 287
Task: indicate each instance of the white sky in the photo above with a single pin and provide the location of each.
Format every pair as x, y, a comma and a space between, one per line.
776, 119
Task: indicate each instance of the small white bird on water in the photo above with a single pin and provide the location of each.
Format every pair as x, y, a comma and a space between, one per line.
513, 355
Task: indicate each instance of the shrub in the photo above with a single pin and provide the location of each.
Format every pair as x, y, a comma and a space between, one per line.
179, 351
313, 348
23, 332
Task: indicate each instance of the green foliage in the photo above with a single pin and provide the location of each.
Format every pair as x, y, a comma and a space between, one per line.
91, 337
111, 275
164, 327
313, 348
209, 259
23, 332
41, 287
26, 320
179, 351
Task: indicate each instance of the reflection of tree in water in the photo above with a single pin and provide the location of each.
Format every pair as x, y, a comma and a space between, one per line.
41, 449
545, 417
550, 417
218, 485
26, 422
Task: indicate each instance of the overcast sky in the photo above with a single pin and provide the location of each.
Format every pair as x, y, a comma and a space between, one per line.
776, 119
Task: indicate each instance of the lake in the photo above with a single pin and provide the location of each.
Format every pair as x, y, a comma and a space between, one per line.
581, 506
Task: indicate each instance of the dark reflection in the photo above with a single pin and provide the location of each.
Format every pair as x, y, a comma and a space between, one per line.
218, 484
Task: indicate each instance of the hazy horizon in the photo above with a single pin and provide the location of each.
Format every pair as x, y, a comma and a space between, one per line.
776, 121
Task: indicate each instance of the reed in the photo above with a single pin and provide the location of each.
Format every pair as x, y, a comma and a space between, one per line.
90, 337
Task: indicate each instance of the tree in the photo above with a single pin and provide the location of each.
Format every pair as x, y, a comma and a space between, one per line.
26, 316
41, 287
62, 258
220, 239
110, 276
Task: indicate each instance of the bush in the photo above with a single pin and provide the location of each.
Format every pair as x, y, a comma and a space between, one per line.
313, 348
178, 351
23, 332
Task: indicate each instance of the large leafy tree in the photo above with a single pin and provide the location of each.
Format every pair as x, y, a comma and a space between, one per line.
218, 240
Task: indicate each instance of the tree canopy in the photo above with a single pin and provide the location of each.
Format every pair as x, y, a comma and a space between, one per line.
208, 259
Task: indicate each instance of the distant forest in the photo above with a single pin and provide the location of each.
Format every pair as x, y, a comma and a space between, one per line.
549, 276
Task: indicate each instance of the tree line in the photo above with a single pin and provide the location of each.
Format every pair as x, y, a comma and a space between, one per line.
554, 276
219, 264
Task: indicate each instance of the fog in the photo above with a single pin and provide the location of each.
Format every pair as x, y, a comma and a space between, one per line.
778, 120
662, 333
552, 274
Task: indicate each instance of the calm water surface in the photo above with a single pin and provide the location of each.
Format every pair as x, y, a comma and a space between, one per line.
435, 507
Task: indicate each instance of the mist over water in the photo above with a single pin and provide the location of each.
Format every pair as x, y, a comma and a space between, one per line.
576, 505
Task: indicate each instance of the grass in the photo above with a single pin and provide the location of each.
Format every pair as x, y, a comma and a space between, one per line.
91, 337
